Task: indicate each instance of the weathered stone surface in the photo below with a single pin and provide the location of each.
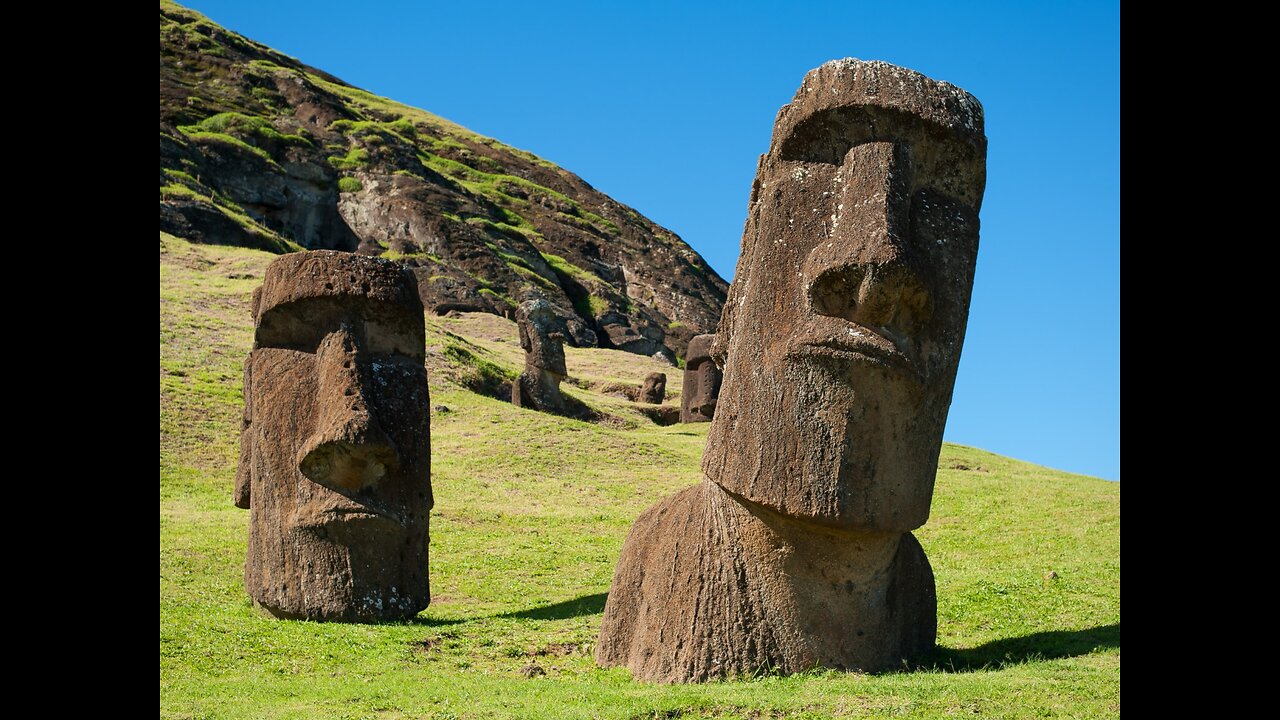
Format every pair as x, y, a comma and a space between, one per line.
654, 389
335, 444
840, 341
538, 387
711, 586
702, 378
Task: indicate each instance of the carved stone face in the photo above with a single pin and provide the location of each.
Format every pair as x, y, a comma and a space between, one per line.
701, 382
335, 458
844, 325
541, 341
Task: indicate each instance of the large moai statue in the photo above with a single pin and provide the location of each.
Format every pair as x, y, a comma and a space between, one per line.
335, 444
841, 337
702, 378
538, 387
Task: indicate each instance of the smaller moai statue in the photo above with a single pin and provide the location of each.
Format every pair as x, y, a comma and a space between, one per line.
654, 390
538, 387
335, 455
701, 381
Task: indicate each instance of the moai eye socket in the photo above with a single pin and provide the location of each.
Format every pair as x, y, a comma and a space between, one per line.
299, 325
302, 325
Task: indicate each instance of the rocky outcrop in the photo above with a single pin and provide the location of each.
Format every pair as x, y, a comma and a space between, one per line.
257, 149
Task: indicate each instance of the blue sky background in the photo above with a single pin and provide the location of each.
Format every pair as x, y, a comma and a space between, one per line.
666, 106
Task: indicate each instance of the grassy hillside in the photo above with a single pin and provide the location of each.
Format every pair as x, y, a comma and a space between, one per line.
259, 150
530, 514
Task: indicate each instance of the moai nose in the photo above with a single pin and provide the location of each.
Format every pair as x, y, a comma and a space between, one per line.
864, 273
348, 450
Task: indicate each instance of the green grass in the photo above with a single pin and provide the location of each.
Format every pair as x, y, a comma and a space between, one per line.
392, 111
500, 297
511, 190
597, 306
397, 255
530, 514
186, 188
217, 138
246, 127
594, 304
356, 158
349, 184
521, 268
516, 224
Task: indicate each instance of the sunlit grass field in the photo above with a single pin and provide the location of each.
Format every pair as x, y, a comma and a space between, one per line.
531, 511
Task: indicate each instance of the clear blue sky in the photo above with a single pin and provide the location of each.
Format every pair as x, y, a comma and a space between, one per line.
666, 105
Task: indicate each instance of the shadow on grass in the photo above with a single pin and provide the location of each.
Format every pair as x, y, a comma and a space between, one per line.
434, 622
577, 607
1048, 645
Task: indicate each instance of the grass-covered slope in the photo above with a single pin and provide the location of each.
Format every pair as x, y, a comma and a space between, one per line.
260, 150
530, 514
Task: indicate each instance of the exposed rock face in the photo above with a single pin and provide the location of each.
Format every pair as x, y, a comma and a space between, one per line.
796, 550
702, 379
654, 389
335, 462
257, 149
538, 387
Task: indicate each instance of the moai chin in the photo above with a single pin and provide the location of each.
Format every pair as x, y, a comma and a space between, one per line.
701, 386
335, 444
538, 387
841, 337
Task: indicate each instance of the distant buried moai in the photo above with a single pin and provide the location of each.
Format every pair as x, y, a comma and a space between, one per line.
335, 446
702, 378
538, 387
654, 389
841, 335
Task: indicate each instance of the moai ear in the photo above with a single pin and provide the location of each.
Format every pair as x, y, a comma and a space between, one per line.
255, 303
719, 349
244, 471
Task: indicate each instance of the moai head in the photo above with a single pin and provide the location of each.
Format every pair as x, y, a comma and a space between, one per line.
654, 388
844, 323
701, 381
335, 450
539, 336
